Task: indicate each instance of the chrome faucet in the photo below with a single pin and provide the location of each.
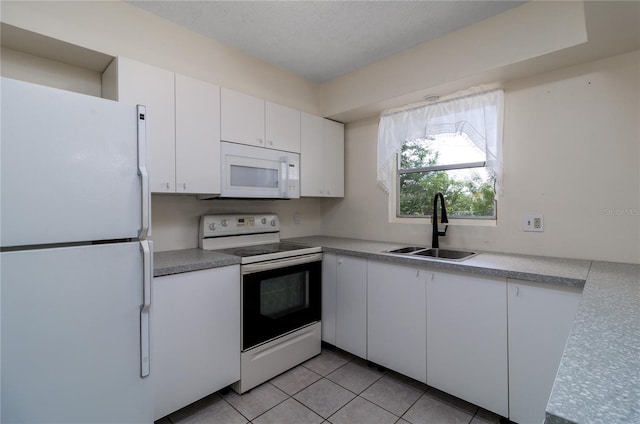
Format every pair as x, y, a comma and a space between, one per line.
443, 220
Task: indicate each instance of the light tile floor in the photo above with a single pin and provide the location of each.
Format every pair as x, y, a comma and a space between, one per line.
337, 388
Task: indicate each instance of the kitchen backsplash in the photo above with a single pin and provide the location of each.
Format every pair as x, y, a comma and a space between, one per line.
175, 218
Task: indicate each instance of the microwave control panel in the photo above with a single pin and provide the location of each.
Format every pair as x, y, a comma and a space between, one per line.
293, 178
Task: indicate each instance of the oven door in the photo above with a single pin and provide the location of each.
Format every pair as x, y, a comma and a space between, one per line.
280, 296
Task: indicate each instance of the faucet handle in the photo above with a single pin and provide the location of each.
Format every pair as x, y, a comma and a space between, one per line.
440, 226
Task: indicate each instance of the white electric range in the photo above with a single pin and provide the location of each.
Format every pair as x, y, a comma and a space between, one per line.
280, 292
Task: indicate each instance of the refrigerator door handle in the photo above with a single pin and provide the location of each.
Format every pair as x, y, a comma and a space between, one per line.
147, 248
145, 230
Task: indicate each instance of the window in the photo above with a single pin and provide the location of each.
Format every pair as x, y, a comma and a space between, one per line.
446, 163
451, 147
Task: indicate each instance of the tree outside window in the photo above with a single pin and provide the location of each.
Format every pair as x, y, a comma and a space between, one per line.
449, 163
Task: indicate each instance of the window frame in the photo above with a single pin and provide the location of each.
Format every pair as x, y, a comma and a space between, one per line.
394, 210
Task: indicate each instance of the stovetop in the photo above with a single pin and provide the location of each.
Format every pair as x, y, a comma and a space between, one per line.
268, 252
261, 249
254, 238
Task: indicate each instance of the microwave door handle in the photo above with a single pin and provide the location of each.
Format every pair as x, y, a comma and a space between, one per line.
285, 177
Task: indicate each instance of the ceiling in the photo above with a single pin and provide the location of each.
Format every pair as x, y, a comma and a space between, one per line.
322, 40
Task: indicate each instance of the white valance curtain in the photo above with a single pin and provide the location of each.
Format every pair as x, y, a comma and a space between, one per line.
479, 115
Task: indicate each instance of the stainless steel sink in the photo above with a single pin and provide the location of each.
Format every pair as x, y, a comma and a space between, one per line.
425, 252
454, 255
409, 249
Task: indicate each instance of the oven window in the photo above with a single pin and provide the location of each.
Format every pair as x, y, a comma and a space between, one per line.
250, 176
277, 301
284, 295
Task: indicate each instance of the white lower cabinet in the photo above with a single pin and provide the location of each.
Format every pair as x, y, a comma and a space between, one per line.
329, 293
540, 317
493, 342
195, 336
397, 321
467, 338
351, 305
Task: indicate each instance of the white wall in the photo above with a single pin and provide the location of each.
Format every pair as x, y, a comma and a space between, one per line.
571, 152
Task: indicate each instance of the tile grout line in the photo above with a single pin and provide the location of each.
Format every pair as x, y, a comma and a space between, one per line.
350, 359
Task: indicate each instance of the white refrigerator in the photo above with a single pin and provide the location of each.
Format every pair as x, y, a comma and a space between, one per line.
75, 262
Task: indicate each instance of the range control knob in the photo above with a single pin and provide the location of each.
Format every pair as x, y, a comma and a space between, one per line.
212, 226
224, 223
273, 222
264, 221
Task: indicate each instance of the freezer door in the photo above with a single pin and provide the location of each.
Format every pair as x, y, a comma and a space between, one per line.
71, 335
69, 167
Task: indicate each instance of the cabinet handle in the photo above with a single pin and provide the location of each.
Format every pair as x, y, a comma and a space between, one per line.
184, 186
417, 273
270, 142
517, 291
339, 261
260, 140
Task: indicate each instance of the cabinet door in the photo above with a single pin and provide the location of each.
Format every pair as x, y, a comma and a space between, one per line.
397, 319
196, 336
282, 128
329, 269
333, 158
197, 136
467, 338
242, 118
351, 310
139, 83
312, 153
540, 317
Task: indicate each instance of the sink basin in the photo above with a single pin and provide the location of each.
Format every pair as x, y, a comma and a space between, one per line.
409, 249
454, 255
445, 254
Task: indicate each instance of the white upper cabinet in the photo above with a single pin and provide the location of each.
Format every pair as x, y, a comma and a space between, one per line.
197, 150
312, 156
183, 124
333, 158
242, 118
250, 120
322, 157
133, 82
282, 128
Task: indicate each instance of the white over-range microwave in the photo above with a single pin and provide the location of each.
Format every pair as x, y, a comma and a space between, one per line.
257, 172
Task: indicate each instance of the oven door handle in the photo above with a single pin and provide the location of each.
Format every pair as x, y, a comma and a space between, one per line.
280, 263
